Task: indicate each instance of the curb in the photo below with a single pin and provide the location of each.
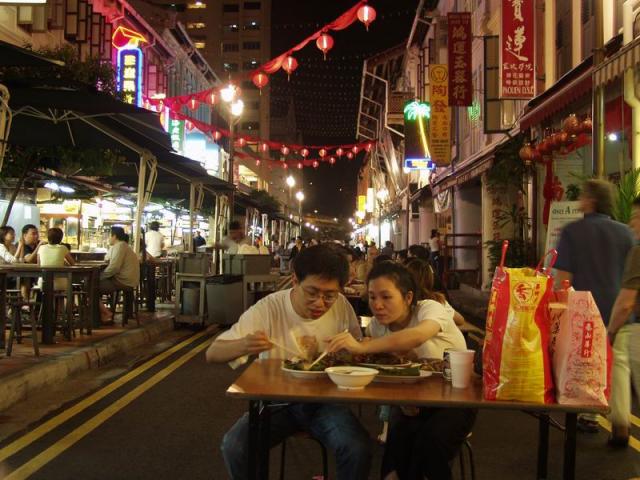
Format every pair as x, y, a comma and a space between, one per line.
18, 386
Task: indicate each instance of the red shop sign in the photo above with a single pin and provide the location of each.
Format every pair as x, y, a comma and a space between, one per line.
517, 61
459, 41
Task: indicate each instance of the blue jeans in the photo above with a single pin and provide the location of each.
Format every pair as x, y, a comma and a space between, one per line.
333, 425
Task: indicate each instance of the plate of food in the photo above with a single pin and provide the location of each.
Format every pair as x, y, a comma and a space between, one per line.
384, 360
411, 374
299, 369
434, 365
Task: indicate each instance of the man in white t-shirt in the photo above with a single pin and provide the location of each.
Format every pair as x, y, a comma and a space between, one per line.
302, 319
154, 240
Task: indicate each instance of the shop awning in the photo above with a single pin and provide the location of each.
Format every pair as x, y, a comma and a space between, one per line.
627, 57
570, 87
12, 56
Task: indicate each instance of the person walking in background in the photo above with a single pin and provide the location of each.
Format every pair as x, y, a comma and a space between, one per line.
154, 240
624, 334
388, 249
435, 245
372, 252
235, 238
591, 256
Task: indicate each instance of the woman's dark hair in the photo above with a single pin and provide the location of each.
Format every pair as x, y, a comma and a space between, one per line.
357, 254
327, 262
419, 251
55, 235
118, 232
3, 233
402, 255
424, 277
434, 232
399, 275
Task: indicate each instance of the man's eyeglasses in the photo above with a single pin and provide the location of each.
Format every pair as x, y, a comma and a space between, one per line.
313, 294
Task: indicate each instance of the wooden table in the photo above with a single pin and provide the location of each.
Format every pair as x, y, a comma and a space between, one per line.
91, 273
264, 382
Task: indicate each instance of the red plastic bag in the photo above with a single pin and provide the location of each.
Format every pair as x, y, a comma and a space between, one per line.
580, 350
516, 360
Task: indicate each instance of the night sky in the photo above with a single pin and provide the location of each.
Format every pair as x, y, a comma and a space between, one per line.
327, 93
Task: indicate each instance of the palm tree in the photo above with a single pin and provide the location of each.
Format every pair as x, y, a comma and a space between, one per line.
419, 111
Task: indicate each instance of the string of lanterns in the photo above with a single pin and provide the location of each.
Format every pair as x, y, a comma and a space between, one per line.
326, 153
574, 134
260, 77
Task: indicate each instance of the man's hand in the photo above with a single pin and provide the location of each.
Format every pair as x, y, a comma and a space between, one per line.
345, 341
257, 342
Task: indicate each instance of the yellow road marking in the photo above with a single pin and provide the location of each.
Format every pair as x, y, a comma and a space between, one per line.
635, 420
59, 419
606, 424
70, 439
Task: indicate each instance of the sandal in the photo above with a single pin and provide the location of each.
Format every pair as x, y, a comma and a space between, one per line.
586, 425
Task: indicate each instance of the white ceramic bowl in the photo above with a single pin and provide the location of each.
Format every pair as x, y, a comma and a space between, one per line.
351, 378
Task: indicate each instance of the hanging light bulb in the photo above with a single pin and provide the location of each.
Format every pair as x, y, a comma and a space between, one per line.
217, 135
300, 165
339, 151
258, 162
193, 104
332, 160
242, 141
264, 147
316, 164
284, 150
322, 152
212, 98
350, 155
304, 152
355, 149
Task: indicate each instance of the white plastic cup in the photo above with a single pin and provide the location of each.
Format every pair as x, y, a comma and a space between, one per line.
461, 367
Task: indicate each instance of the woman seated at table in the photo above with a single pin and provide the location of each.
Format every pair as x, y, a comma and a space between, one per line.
8, 249
423, 274
53, 254
421, 441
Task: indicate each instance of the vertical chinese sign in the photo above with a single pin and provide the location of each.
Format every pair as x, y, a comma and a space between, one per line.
176, 132
517, 50
459, 41
129, 66
440, 124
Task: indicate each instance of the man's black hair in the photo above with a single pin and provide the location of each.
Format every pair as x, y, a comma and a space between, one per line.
235, 225
324, 261
118, 232
155, 226
419, 251
28, 227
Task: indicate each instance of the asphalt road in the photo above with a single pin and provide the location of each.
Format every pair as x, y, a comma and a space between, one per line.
164, 419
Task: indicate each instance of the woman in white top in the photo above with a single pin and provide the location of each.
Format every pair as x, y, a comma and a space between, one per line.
421, 442
8, 251
53, 254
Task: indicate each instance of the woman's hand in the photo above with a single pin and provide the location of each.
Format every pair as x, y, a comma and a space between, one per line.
345, 341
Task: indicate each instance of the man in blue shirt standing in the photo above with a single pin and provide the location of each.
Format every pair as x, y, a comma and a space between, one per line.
591, 255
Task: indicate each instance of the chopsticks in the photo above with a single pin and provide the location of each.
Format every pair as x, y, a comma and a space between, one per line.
324, 354
292, 352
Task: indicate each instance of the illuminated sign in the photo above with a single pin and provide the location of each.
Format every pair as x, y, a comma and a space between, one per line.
416, 144
440, 121
129, 66
176, 132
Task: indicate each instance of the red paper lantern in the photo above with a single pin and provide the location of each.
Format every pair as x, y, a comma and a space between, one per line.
258, 162
526, 154
212, 98
339, 151
284, 150
217, 135
322, 152
571, 125
299, 165
332, 160
289, 65
284, 165
242, 141
264, 147
316, 164
193, 104
188, 125
543, 147
350, 155
260, 80
586, 126
368, 147
304, 152
366, 15
324, 43
355, 149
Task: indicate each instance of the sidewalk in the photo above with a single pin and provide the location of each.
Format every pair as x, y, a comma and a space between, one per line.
23, 372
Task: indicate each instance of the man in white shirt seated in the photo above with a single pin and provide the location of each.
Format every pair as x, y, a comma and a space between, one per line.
235, 238
303, 319
154, 240
123, 270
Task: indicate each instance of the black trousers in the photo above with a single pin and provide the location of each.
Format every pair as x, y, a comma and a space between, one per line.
423, 446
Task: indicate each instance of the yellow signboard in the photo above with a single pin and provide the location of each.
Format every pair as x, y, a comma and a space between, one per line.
362, 203
440, 123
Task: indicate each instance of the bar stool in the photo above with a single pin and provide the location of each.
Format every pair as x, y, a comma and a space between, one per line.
16, 302
129, 305
323, 450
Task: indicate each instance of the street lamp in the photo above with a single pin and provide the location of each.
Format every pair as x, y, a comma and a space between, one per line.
300, 198
236, 106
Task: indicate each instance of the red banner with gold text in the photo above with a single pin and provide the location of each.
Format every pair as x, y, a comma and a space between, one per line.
459, 41
517, 61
